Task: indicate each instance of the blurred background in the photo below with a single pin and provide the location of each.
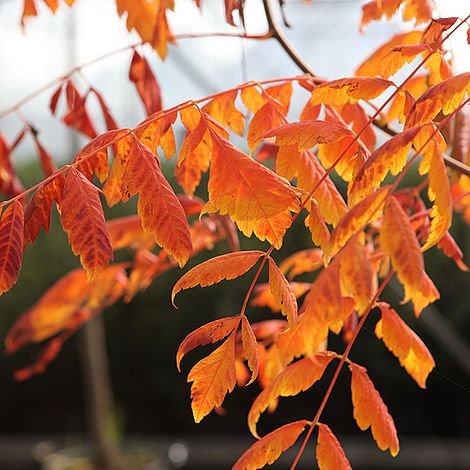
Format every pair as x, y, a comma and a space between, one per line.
151, 411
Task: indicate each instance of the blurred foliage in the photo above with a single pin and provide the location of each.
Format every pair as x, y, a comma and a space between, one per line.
143, 336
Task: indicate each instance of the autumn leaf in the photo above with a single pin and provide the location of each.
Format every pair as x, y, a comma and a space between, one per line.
256, 199
268, 449
264, 298
148, 18
330, 455
356, 274
444, 97
127, 232
38, 210
209, 333
282, 292
296, 378
349, 90
11, 245
370, 411
93, 157
224, 111
213, 377
363, 213
371, 66
83, 220
229, 266
147, 86
450, 248
439, 193
308, 134
389, 157
398, 239
403, 342
250, 348
158, 206
300, 262
318, 229
77, 116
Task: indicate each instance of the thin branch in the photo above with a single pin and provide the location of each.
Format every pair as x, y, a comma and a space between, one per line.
80, 67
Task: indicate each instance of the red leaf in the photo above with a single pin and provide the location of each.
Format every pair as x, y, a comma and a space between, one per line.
11, 245
147, 86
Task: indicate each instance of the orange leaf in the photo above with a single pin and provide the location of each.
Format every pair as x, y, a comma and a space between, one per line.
439, 193
324, 308
83, 220
366, 211
38, 210
296, 378
148, 18
229, 266
391, 156
371, 66
356, 274
331, 204
268, 449
95, 158
403, 342
370, 411
307, 134
263, 120
444, 97
450, 248
301, 262
398, 239
250, 347
349, 90
147, 86
11, 245
318, 229
158, 206
209, 333
398, 56
213, 377
255, 198
282, 292
330, 455
264, 298
223, 110
127, 232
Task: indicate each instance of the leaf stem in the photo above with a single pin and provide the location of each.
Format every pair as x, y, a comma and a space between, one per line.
343, 359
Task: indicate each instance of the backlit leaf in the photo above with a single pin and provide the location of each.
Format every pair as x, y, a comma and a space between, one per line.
403, 342
349, 90
398, 239
213, 377
282, 292
444, 97
256, 199
268, 449
229, 266
209, 333
250, 347
11, 245
83, 220
158, 206
296, 378
366, 211
330, 455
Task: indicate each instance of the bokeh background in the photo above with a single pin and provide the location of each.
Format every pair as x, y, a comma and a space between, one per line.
151, 398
